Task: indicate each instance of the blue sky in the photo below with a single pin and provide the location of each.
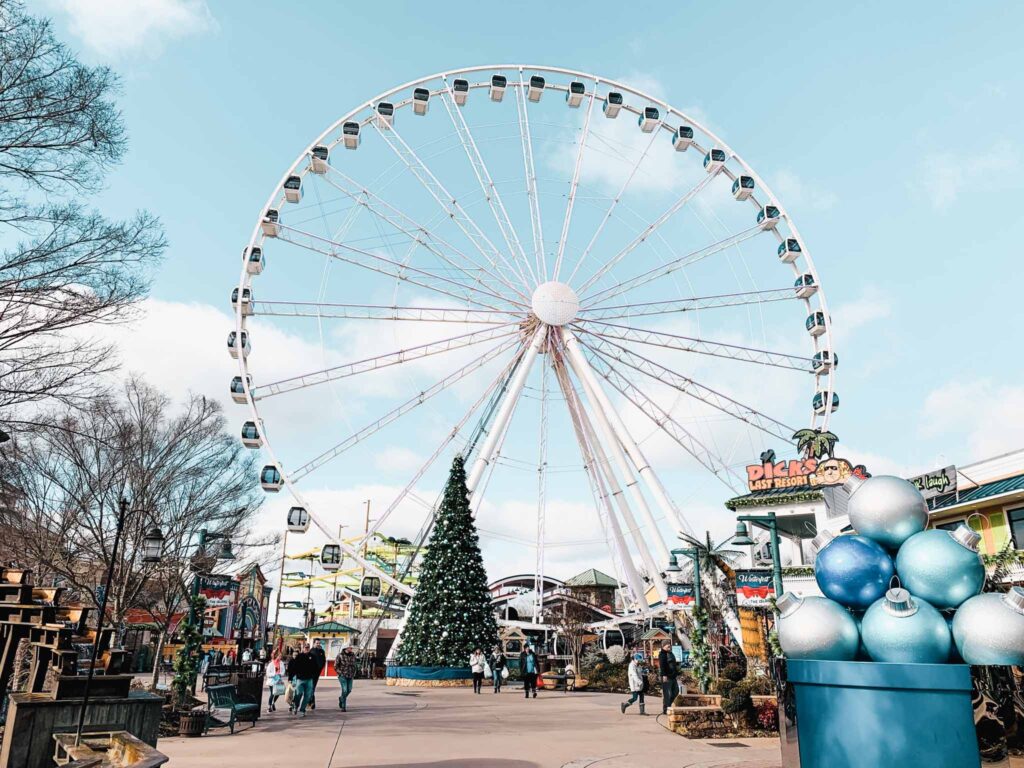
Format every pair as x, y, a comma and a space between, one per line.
887, 131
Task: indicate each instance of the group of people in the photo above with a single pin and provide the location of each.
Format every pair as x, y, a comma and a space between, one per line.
495, 666
668, 675
301, 671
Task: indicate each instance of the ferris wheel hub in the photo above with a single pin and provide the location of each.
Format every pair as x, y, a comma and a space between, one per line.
555, 303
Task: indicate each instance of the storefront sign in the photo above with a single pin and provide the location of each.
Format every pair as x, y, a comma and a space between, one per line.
681, 595
247, 617
219, 591
801, 473
754, 588
937, 483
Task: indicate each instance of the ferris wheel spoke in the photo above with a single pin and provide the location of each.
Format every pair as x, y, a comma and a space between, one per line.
447, 202
613, 331
611, 207
649, 230
526, 140
382, 361
664, 420
689, 387
489, 392
416, 232
674, 306
672, 266
395, 269
396, 413
574, 185
381, 312
483, 177
542, 471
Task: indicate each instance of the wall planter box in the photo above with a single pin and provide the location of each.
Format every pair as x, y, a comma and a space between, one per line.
429, 677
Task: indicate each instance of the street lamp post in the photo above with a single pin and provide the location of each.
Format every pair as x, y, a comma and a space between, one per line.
152, 545
673, 567
224, 554
770, 523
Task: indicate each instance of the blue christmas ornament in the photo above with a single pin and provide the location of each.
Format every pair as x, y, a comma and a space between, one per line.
887, 509
989, 628
816, 628
905, 630
852, 570
943, 567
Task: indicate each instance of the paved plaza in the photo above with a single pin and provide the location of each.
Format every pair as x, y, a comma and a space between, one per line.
453, 728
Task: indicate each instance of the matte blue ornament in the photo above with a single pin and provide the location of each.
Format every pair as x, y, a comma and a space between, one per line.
816, 628
852, 570
905, 630
989, 628
943, 567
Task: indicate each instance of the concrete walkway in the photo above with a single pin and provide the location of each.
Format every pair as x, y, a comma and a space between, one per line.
454, 728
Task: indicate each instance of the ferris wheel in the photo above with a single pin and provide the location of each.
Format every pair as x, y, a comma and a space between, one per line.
530, 244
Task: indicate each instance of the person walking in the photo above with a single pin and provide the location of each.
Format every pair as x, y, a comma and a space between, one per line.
276, 674
637, 683
477, 660
345, 669
301, 673
528, 669
498, 664
320, 657
668, 671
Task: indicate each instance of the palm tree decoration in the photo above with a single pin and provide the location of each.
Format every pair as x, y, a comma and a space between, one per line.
716, 564
815, 443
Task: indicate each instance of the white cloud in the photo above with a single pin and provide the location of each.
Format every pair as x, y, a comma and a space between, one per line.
984, 415
945, 175
796, 194
849, 318
119, 28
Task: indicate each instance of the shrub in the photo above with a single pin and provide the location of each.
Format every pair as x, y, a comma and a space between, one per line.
738, 700
760, 685
616, 654
733, 672
768, 716
722, 686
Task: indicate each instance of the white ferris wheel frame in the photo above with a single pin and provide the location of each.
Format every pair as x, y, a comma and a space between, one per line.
603, 437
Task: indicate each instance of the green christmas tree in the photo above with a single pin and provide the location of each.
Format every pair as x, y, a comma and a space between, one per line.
451, 612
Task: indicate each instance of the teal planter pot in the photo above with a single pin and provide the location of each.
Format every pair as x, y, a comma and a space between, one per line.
851, 714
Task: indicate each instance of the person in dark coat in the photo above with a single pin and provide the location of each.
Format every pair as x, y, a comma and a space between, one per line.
668, 671
302, 671
320, 657
529, 669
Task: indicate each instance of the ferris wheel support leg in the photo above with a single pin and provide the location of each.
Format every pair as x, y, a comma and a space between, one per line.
594, 460
603, 416
505, 411
643, 467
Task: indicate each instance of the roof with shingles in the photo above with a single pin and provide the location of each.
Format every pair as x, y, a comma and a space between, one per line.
983, 491
591, 578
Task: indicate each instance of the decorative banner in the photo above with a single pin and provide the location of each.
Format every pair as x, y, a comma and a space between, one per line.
801, 473
681, 595
219, 591
247, 618
754, 588
937, 483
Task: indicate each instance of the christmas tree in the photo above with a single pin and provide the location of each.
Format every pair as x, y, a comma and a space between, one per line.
451, 612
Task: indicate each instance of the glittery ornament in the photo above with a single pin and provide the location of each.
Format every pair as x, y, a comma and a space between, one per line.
989, 628
816, 628
887, 509
852, 570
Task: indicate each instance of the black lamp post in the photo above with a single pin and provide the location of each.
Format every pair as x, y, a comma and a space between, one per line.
152, 544
673, 567
225, 554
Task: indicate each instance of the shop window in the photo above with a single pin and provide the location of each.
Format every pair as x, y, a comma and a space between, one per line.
1017, 527
951, 526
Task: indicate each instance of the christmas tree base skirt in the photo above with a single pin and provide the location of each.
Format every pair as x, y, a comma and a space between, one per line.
429, 677
850, 714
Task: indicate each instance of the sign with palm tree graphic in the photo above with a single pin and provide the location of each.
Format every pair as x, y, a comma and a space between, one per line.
819, 466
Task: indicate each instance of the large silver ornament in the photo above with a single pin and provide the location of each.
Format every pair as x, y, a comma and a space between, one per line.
905, 630
943, 567
816, 628
887, 509
989, 628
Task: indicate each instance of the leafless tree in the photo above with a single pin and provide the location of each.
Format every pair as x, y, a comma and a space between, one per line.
179, 471
63, 267
572, 622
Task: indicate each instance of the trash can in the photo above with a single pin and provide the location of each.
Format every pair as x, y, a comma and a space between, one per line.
853, 714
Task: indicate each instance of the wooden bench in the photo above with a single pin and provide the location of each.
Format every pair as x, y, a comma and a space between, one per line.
224, 697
